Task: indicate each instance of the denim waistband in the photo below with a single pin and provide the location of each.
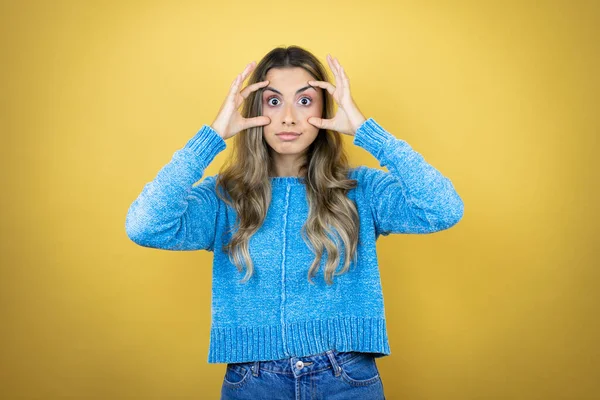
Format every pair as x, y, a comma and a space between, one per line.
303, 365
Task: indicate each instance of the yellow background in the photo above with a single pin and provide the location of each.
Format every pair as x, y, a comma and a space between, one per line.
501, 97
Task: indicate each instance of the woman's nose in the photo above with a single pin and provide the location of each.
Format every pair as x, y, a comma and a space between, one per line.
288, 114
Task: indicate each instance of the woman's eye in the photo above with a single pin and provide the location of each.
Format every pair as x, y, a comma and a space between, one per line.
307, 98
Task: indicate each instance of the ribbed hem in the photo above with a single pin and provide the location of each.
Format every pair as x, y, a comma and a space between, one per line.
264, 343
372, 137
206, 144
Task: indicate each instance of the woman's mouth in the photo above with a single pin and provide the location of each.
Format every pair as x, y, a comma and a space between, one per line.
287, 136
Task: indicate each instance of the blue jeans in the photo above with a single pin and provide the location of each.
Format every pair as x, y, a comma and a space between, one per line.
330, 375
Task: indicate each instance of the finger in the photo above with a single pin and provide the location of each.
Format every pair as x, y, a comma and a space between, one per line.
334, 68
247, 70
323, 84
345, 79
336, 63
320, 122
234, 85
256, 121
240, 78
251, 88
342, 73
247, 90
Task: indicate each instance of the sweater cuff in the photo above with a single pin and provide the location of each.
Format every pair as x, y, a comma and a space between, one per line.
206, 143
372, 137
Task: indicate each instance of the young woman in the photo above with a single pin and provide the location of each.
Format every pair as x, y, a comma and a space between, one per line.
287, 206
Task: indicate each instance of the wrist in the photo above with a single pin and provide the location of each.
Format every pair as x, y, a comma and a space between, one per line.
356, 122
217, 129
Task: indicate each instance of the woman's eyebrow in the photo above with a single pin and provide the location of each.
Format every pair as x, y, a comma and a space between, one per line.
297, 91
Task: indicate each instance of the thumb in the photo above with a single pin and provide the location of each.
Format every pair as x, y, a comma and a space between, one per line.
257, 121
319, 122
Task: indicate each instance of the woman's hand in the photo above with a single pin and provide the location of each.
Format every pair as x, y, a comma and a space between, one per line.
348, 117
229, 121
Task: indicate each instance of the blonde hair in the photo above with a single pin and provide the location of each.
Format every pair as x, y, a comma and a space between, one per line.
245, 174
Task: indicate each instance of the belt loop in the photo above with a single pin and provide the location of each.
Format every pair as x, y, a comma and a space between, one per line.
255, 368
336, 368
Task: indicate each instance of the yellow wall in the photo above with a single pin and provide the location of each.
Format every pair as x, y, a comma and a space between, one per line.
502, 98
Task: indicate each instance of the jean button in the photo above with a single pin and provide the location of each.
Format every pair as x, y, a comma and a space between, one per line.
299, 365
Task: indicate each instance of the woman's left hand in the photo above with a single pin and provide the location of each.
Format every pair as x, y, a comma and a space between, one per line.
348, 117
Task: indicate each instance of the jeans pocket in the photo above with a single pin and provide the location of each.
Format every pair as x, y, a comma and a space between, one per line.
236, 375
360, 371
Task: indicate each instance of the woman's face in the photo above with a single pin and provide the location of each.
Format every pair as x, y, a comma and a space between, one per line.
289, 102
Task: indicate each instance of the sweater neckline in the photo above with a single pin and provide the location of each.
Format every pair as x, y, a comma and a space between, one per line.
287, 180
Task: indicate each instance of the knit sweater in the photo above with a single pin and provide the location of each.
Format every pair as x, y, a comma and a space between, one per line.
277, 313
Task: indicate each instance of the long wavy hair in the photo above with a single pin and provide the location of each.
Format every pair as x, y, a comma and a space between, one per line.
244, 177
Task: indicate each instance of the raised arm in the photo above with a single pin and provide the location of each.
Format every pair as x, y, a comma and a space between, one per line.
413, 197
172, 214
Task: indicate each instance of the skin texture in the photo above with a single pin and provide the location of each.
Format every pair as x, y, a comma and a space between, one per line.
290, 112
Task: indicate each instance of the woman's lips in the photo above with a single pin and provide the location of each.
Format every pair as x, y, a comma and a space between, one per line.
287, 136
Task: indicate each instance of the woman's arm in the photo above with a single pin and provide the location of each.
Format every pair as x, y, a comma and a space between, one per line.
170, 213
413, 197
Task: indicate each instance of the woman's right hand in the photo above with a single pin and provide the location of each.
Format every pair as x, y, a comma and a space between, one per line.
229, 121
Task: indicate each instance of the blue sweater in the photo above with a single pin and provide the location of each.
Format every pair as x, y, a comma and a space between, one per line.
278, 313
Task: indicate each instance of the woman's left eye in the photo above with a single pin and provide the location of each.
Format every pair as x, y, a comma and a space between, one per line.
307, 98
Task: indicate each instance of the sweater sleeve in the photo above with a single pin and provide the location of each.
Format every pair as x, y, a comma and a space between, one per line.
413, 197
172, 214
